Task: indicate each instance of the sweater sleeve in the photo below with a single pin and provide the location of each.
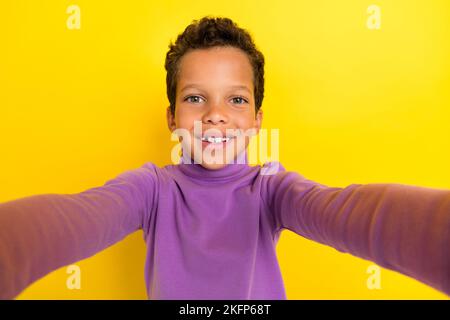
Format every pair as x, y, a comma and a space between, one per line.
399, 227
41, 233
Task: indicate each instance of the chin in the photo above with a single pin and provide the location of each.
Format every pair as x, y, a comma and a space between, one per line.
213, 166
216, 165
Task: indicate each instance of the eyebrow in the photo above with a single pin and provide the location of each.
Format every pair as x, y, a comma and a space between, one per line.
232, 87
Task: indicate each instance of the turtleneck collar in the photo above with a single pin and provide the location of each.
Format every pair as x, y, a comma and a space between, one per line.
232, 170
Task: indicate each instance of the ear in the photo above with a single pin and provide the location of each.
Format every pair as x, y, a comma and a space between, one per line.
170, 119
258, 120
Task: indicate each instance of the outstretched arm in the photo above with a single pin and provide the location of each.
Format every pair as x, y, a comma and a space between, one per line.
41, 233
399, 227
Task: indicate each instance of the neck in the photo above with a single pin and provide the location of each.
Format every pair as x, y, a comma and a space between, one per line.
231, 170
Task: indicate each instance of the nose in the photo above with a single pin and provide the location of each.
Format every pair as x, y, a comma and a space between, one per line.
215, 115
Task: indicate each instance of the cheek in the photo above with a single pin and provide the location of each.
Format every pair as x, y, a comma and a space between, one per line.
247, 126
246, 120
185, 118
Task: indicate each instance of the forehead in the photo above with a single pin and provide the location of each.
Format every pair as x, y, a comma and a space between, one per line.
215, 67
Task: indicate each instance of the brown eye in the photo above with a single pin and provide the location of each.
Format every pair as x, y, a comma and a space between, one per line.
194, 101
240, 100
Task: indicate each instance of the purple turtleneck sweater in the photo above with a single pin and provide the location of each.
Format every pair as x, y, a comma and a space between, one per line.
212, 234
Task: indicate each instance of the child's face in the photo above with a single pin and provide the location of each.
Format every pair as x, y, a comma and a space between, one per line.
207, 93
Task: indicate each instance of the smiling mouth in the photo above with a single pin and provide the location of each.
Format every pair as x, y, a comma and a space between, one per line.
216, 140
211, 139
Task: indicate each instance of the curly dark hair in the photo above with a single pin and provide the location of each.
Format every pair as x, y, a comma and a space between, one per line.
213, 32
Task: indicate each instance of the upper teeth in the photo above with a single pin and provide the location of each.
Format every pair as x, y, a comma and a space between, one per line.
215, 140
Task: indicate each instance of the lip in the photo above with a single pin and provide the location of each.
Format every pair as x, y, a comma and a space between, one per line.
222, 135
218, 133
215, 145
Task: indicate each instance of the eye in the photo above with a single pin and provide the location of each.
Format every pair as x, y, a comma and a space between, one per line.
194, 101
241, 99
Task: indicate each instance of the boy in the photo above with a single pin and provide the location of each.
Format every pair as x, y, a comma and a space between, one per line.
211, 225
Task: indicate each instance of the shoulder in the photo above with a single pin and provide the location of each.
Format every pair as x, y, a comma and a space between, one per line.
145, 175
271, 168
274, 172
276, 180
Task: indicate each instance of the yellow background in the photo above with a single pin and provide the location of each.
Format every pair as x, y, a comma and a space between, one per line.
353, 105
